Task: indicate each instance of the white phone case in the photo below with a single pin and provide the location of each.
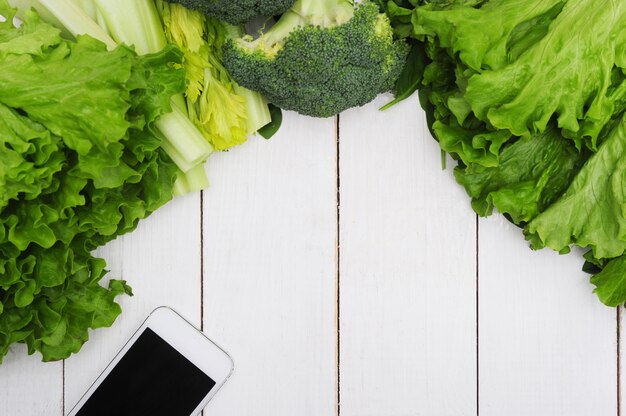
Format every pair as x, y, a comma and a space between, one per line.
187, 340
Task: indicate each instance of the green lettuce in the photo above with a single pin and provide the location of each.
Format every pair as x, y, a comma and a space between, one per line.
592, 212
80, 164
533, 112
532, 173
526, 66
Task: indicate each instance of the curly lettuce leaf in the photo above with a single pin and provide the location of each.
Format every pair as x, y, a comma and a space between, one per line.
530, 67
532, 173
64, 92
592, 212
30, 157
610, 282
533, 111
80, 164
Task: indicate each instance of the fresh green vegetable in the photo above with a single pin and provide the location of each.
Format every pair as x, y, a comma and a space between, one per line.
81, 164
135, 23
411, 76
320, 58
534, 114
194, 180
531, 174
237, 11
67, 15
591, 212
223, 111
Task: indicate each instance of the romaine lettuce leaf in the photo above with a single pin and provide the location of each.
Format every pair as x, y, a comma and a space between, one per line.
529, 97
611, 282
529, 66
592, 212
532, 173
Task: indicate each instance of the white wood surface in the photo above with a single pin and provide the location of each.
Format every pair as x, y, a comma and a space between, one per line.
29, 387
420, 311
270, 271
408, 273
547, 345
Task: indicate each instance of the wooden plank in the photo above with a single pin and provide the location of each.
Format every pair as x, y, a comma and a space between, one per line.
29, 387
269, 271
161, 261
547, 345
407, 271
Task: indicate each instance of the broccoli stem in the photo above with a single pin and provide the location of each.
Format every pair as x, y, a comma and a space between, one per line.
323, 13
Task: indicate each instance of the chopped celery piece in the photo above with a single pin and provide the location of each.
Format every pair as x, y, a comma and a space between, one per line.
192, 181
184, 143
134, 23
257, 109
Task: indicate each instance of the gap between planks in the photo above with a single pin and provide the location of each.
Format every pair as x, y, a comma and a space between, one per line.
63, 388
202, 266
202, 261
338, 258
477, 321
618, 335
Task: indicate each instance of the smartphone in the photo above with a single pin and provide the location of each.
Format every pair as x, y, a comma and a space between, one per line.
167, 368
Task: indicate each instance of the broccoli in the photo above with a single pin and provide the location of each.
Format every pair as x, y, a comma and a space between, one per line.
320, 58
237, 11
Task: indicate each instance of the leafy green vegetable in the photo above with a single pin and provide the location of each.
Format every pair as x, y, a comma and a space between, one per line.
591, 212
523, 77
81, 164
532, 173
411, 76
534, 114
610, 282
136, 24
270, 129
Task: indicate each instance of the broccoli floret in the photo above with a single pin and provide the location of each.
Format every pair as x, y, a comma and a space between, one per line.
320, 58
237, 11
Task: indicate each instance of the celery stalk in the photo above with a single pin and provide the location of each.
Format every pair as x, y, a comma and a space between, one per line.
256, 107
192, 181
189, 144
67, 15
90, 8
134, 23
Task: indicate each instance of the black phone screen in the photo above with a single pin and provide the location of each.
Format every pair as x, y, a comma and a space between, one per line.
152, 379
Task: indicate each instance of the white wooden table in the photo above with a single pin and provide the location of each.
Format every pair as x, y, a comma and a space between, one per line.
346, 274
